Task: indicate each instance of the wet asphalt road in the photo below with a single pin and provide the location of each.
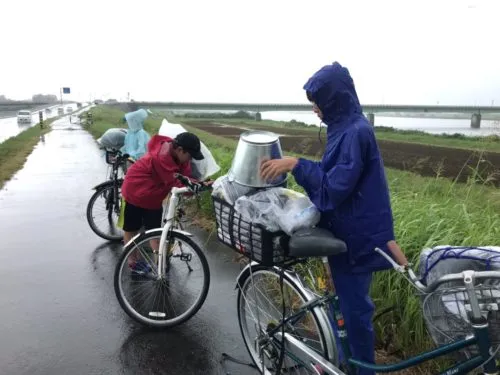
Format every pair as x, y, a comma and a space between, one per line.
57, 303
10, 128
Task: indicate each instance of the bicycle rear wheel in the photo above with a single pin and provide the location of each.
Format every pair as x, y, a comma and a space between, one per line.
260, 308
176, 296
103, 211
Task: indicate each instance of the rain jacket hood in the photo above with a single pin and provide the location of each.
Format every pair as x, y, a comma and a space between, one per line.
332, 89
135, 120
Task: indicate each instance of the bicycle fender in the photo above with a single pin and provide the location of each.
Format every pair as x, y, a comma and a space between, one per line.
187, 234
242, 276
105, 184
175, 230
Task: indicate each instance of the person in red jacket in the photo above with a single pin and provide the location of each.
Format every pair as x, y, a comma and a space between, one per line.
149, 180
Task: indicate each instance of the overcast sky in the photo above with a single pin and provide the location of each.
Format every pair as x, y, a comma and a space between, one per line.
412, 52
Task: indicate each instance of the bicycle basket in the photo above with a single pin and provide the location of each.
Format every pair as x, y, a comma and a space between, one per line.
446, 310
111, 157
251, 240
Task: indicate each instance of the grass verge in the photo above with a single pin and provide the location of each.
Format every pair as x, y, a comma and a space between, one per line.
15, 150
427, 212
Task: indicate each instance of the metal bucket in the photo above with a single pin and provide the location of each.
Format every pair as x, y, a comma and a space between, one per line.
253, 148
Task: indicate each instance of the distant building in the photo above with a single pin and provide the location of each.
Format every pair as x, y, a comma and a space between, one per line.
40, 98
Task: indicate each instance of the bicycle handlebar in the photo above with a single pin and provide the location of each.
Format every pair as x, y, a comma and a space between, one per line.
465, 276
195, 187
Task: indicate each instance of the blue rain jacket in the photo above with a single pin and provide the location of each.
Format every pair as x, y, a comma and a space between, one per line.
348, 185
137, 138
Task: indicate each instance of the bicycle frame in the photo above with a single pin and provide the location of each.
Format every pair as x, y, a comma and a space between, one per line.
170, 216
315, 361
114, 200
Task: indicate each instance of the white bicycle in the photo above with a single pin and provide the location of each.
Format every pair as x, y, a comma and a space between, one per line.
175, 277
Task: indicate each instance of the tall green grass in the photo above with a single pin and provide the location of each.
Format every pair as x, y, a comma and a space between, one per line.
15, 150
427, 212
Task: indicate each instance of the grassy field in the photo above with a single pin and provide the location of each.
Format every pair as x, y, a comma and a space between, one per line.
15, 150
489, 143
427, 212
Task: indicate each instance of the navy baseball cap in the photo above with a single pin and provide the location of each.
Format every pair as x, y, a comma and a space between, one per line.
191, 144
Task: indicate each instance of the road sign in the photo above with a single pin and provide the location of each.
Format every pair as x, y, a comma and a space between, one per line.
66, 90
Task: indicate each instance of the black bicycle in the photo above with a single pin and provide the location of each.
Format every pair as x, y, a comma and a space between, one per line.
103, 209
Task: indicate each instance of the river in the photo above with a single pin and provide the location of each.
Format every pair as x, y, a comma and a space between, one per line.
426, 124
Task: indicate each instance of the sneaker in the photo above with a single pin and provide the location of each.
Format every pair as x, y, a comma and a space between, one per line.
140, 268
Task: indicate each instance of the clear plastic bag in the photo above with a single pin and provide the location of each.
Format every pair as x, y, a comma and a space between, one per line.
443, 260
229, 191
279, 209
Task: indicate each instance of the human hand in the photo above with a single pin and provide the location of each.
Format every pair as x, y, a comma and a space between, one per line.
270, 169
397, 253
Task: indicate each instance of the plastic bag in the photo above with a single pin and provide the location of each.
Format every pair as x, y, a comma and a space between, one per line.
279, 209
201, 169
229, 191
113, 138
443, 260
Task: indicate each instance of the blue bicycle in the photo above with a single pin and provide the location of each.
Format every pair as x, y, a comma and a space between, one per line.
287, 327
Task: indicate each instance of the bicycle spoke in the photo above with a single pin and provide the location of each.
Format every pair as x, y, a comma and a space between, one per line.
261, 298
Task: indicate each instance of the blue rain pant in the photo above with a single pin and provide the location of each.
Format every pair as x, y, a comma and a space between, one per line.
357, 309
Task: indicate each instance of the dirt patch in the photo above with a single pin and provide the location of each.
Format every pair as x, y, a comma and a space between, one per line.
426, 160
445, 161
224, 131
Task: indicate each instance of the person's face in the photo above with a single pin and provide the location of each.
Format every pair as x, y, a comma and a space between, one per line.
182, 155
317, 110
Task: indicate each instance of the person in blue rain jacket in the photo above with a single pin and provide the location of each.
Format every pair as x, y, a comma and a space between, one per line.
137, 138
350, 189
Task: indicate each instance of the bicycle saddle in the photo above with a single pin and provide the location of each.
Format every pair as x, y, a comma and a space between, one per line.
315, 242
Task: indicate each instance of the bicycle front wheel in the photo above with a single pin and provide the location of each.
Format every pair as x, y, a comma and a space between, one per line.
103, 211
168, 300
260, 308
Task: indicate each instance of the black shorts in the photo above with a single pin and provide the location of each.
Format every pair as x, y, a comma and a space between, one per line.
134, 218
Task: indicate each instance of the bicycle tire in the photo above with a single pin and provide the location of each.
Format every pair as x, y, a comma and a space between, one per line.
90, 217
155, 233
330, 354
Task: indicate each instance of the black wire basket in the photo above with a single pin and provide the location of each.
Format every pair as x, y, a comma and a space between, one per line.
447, 314
248, 239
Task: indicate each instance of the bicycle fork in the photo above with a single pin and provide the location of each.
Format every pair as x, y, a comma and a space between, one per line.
163, 248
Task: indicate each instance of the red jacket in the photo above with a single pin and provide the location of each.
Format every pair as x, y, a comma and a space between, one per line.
149, 180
